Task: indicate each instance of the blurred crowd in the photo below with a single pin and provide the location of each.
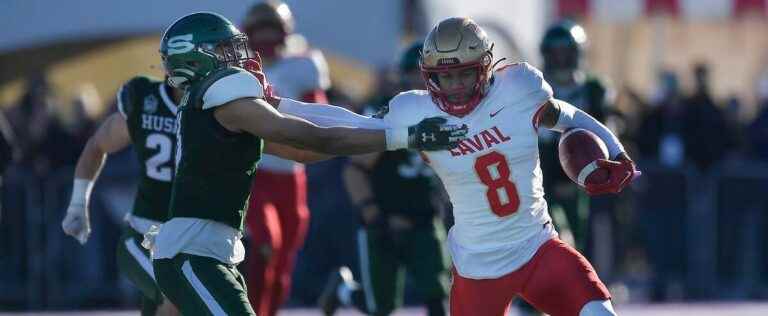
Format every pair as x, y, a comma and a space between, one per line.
690, 228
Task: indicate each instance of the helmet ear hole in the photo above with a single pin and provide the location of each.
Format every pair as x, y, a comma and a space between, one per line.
192, 63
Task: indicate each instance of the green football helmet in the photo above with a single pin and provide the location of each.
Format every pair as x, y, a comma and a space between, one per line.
199, 43
562, 46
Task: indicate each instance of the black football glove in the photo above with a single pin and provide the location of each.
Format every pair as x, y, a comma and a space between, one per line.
433, 134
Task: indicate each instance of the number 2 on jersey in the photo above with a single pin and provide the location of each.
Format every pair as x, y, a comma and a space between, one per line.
154, 164
493, 171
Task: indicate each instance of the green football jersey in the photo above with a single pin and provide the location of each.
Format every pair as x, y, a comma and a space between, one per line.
215, 166
399, 174
150, 114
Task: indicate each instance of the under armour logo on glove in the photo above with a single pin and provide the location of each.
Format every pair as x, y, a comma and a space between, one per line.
433, 134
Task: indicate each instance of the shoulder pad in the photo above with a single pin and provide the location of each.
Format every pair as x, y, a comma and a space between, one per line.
222, 86
128, 93
523, 81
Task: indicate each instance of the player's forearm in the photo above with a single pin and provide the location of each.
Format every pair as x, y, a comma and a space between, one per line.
90, 162
348, 141
88, 167
572, 117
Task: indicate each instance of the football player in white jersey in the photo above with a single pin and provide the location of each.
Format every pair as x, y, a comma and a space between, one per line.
503, 243
278, 216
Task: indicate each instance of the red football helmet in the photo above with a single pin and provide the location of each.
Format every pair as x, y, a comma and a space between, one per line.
456, 44
267, 26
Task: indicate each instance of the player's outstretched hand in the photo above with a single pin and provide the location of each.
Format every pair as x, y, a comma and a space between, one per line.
434, 134
76, 223
621, 173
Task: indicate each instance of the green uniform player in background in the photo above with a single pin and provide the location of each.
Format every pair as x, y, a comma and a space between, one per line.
227, 119
146, 119
562, 49
399, 198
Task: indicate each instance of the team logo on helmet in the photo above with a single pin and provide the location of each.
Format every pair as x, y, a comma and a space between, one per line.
180, 44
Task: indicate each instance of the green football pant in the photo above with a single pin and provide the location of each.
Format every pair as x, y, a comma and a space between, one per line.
134, 263
202, 286
386, 256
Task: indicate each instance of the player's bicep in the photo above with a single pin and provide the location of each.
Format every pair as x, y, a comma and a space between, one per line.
112, 135
257, 117
547, 114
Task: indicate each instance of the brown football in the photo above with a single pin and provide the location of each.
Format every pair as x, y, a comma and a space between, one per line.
578, 150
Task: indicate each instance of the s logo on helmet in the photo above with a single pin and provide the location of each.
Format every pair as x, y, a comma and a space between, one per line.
180, 44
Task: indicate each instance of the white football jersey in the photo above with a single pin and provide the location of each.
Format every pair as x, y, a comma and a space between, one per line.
493, 178
292, 77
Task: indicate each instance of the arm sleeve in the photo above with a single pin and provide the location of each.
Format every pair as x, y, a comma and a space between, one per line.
326, 115
572, 117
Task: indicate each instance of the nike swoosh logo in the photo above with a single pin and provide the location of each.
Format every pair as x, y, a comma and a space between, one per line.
497, 112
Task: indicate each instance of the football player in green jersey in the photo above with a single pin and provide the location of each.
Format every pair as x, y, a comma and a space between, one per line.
563, 49
146, 119
225, 123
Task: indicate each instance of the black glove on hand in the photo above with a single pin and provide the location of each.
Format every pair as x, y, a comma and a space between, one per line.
432, 134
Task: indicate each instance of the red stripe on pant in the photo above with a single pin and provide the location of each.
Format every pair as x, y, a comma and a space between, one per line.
277, 220
558, 281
